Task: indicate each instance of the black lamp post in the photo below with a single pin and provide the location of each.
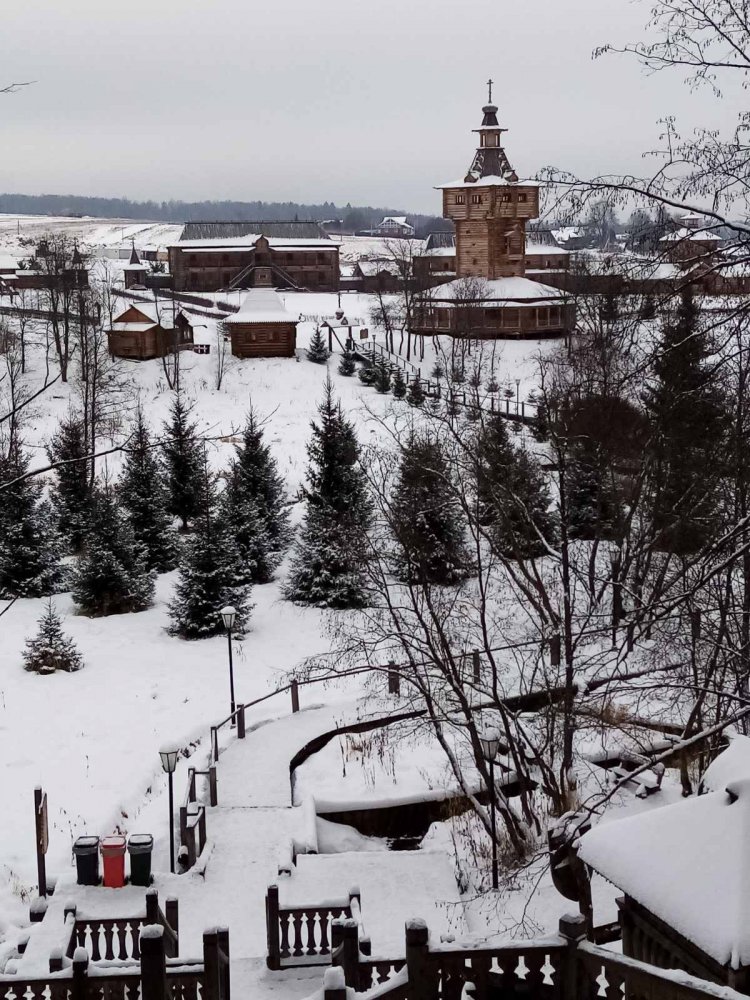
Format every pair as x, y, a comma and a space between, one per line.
490, 744
518, 396
169, 753
229, 616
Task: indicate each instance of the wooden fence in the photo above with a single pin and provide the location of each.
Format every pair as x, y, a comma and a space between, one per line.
118, 938
154, 977
302, 935
193, 834
561, 967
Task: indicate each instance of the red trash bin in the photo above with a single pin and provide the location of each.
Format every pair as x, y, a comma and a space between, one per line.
113, 856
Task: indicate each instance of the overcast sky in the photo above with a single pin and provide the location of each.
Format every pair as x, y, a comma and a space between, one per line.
361, 101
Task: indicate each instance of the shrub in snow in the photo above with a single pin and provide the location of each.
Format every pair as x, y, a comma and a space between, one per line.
112, 575
398, 384
183, 462
50, 649
71, 495
382, 380
30, 548
415, 393
438, 371
347, 365
427, 519
367, 375
143, 495
330, 554
317, 351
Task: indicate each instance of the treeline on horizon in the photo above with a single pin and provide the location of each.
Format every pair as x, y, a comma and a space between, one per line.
352, 218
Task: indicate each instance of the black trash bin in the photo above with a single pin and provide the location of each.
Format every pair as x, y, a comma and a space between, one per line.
86, 850
140, 848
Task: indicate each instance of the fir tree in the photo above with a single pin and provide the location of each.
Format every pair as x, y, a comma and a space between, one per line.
72, 493
182, 459
415, 395
367, 374
594, 507
437, 371
347, 365
212, 575
398, 387
50, 649
685, 409
330, 554
512, 495
317, 351
30, 548
112, 575
256, 486
382, 380
144, 497
427, 520
243, 521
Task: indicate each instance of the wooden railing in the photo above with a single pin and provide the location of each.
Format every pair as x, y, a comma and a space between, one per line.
303, 935
193, 834
118, 938
153, 977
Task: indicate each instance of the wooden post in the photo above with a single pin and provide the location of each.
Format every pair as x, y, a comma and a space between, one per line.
152, 906
555, 649
573, 930
214, 743
273, 958
42, 838
172, 916
153, 963
695, 624
80, 972
476, 665
295, 696
334, 984
213, 790
423, 983
349, 960
241, 722
222, 934
55, 959
211, 971
394, 681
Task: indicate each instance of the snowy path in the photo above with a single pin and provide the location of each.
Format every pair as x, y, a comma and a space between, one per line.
254, 818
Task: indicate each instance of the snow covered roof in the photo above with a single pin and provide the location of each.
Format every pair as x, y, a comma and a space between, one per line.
501, 290
491, 180
398, 220
440, 252
7, 263
231, 230
370, 268
732, 764
688, 863
262, 305
696, 236
152, 314
545, 250
246, 242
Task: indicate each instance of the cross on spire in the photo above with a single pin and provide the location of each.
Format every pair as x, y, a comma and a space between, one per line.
489, 85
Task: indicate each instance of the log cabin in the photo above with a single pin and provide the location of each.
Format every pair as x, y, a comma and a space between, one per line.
684, 871
492, 296
263, 328
217, 255
144, 331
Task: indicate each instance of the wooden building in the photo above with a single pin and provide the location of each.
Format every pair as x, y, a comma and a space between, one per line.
683, 869
263, 328
394, 226
144, 330
492, 295
134, 271
216, 255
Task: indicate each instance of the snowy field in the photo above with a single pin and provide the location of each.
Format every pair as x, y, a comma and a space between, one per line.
91, 739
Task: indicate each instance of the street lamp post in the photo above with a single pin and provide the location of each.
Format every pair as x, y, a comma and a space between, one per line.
490, 743
169, 753
518, 396
229, 615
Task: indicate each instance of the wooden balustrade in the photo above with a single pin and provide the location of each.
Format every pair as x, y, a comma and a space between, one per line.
301, 935
118, 938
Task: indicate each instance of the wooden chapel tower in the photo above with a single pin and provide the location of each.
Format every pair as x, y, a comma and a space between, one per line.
490, 208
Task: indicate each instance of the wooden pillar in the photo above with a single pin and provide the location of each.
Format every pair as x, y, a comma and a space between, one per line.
423, 982
394, 681
222, 934
213, 789
152, 906
80, 972
555, 648
211, 990
349, 951
241, 722
334, 984
476, 666
153, 963
273, 958
172, 916
295, 696
55, 959
573, 930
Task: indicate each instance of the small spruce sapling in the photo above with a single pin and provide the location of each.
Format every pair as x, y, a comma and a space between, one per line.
382, 381
50, 649
347, 365
415, 394
398, 386
317, 352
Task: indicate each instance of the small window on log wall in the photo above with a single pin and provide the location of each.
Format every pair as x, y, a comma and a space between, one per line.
476, 199
460, 199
